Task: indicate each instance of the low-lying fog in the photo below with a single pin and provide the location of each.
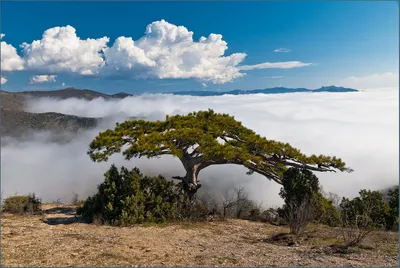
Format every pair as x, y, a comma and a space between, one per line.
361, 128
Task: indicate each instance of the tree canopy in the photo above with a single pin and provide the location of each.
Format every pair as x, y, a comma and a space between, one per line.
205, 138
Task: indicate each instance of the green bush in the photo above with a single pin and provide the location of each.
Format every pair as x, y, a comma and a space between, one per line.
369, 204
325, 212
392, 222
128, 197
22, 204
300, 192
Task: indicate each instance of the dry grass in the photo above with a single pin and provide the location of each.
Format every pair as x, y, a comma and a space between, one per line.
58, 239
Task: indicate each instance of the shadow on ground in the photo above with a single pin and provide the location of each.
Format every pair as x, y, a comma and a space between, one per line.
65, 216
61, 220
60, 210
280, 239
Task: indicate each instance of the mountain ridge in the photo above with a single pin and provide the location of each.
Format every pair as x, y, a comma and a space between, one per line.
70, 92
92, 94
275, 90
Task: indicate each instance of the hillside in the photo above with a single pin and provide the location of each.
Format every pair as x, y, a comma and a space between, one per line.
15, 100
12, 101
19, 123
74, 93
16, 122
58, 239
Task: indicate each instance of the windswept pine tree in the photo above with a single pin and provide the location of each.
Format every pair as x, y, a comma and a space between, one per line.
205, 138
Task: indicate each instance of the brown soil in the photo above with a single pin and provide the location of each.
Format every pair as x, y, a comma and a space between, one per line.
58, 239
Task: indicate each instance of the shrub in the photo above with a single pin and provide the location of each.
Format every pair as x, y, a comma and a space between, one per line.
274, 216
363, 214
369, 204
129, 197
326, 212
355, 231
192, 211
392, 222
299, 191
235, 203
22, 204
255, 214
75, 199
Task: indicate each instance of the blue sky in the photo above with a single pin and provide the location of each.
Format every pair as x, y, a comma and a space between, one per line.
342, 43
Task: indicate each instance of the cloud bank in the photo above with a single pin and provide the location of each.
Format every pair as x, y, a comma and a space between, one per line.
361, 128
166, 51
379, 80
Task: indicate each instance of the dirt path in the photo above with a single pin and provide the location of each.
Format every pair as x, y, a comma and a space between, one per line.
57, 239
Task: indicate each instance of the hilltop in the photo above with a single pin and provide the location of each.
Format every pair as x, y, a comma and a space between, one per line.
57, 238
72, 92
15, 100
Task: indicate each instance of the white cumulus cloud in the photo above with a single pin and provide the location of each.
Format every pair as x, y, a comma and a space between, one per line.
169, 51
10, 60
43, 79
165, 51
275, 65
61, 50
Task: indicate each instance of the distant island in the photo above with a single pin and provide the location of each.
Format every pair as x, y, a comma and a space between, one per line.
275, 90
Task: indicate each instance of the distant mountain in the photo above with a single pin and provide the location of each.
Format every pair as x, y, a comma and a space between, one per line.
15, 100
121, 95
73, 93
275, 90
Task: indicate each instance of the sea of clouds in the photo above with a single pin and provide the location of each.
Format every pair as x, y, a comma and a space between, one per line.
361, 128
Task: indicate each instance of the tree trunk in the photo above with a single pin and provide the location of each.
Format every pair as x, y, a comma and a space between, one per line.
190, 184
192, 165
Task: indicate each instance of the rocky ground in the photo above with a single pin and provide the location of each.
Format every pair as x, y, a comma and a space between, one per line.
57, 238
